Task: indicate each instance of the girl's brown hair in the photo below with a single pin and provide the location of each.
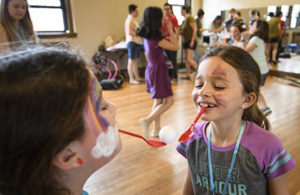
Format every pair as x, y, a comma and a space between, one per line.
250, 78
262, 30
43, 93
7, 22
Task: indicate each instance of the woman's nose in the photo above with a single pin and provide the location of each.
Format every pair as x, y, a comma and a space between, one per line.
113, 108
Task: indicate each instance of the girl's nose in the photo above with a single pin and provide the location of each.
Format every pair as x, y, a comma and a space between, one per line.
205, 90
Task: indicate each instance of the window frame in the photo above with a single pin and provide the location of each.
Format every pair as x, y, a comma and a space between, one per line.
288, 17
67, 18
297, 17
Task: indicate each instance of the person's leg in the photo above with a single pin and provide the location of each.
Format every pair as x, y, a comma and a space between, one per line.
157, 112
133, 59
274, 52
160, 109
136, 70
167, 54
190, 59
196, 54
130, 70
157, 126
263, 105
131, 62
261, 101
279, 50
145, 124
187, 65
137, 50
268, 50
173, 58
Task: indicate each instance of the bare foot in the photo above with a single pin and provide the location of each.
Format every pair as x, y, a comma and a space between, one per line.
155, 133
134, 82
140, 80
145, 125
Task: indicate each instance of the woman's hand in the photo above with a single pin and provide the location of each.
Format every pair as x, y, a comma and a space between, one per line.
244, 35
192, 44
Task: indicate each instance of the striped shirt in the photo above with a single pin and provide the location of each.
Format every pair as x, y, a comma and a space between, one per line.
23, 37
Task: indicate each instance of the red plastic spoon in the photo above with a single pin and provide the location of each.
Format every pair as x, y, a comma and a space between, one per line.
152, 143
191, 130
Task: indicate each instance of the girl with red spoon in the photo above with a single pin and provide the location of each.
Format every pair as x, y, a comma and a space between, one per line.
232, 152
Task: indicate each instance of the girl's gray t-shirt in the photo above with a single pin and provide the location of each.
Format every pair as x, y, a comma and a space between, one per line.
260, 156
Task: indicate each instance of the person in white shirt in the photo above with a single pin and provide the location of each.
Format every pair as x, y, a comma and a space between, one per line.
257, 48
134, 44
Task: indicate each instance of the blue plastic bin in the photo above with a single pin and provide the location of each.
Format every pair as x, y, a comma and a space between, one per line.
293, 47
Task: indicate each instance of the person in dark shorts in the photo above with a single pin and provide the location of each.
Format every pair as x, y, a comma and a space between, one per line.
274, 29
189, 40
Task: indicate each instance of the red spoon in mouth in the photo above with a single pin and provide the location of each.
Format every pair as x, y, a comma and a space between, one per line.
152, 143
191, 130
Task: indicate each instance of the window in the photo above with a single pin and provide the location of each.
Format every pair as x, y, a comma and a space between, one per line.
290, 14
51, 18
176, 2
295, 19
271, 9
176, 5
285, 12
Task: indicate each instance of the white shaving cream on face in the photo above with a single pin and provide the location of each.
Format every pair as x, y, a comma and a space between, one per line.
106, 142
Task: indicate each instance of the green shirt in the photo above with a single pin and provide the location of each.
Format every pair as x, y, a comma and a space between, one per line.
187, 29
273, 27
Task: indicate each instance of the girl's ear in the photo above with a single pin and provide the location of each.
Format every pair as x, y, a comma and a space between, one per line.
68, 158
250, 99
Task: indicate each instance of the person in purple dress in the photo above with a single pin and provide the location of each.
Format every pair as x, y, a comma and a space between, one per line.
156, 74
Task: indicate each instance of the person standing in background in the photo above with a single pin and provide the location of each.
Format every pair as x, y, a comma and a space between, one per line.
242, 19
274, 29
216, 25
254, 15
215, 28
200, 15
259, 32
233, 15
172, 55
189, 40
199, 18
281, 34
15, 25
134, 43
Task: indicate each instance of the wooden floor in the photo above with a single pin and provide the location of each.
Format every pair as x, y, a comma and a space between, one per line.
140, 169
287, 67
288, 64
